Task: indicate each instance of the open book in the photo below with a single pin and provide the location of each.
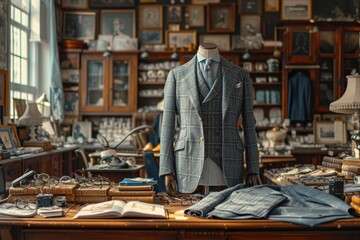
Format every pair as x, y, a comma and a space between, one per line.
121, 209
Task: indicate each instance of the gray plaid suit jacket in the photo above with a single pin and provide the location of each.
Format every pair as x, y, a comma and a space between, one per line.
181, 98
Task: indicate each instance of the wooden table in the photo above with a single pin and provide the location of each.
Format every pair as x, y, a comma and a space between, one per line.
95, 156
116, 174
167, 229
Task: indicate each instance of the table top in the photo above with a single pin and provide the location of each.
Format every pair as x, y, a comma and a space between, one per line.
101, 168
124, 154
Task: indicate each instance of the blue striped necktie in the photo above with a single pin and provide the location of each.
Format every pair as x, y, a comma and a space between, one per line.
208, 73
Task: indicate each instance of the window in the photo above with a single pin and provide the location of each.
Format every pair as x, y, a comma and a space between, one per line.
21, 86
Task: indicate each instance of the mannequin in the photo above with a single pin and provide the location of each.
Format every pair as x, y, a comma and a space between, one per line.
172, 158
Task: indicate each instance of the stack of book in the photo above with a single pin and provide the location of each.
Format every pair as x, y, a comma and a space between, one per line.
355, 203
94, 194
30, 193
332, 162
350, 167
53, 211
144, 193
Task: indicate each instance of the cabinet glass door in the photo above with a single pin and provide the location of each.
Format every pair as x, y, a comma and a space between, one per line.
95, 83
121, 81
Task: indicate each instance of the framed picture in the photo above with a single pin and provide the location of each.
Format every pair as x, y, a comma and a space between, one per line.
180, 39
15, 135
150, 16
195, 15
174, 13
341, 11
248, 66
70, 75
272, 6
76, 4
4, 34
204, 1
71, 103
296, 9
6, 138
82, 130
249, 25
221, 17
112, 3
221, 40
118, 23
151, 36
330, 132
249, 6
174, 27
79, 25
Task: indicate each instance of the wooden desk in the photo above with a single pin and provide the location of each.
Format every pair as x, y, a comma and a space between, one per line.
167, 229
95, 157
116, 174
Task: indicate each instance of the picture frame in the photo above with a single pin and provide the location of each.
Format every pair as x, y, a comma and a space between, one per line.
174, 13
71, 4
330, 132
248, 66
272, 5
249, 6
112, 3
335, 11
204, 2
196, 15
174, 27
4, 35
15, 135
79, 25
180, 39
297, 10
150, 16
81, 130
221, 40
249, 25
70, 75
122, 23
71, 103
150, 36
221, 17
6, 137
300, 48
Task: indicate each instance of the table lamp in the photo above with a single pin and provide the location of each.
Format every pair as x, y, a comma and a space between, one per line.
349, 103
43, 102
32, 118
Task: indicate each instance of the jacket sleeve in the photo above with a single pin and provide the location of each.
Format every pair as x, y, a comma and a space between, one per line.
252, 154
167, 159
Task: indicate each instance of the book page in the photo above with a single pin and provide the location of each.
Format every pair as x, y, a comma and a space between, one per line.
109, 209
140, 209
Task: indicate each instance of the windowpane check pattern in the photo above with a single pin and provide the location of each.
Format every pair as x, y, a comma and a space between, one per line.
21, 86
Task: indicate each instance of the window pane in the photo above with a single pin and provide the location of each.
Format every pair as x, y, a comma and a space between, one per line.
17, 70
24, 69
11, 34
24, 19
17, 15
16, 38
24, 43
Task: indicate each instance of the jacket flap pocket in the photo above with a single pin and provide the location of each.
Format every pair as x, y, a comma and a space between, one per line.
239, 145
180, 144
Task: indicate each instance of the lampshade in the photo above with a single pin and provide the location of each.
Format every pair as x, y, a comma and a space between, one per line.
31, 116
349, 102
43, 100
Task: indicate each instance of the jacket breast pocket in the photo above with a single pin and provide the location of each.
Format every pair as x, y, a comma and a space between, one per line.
180, 144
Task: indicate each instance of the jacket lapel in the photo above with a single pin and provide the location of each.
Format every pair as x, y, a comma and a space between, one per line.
190, 76
229, 82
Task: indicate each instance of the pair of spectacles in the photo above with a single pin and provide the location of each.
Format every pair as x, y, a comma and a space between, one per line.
24, 204
190, 199
92, 181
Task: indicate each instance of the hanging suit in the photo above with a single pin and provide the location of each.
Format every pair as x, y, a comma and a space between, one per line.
182, 97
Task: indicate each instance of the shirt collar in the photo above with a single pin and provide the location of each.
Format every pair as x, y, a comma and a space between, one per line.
215, 58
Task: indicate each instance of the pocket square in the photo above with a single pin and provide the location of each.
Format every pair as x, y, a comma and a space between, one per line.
238, 85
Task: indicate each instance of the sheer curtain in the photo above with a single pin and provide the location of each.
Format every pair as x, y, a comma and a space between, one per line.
56, 88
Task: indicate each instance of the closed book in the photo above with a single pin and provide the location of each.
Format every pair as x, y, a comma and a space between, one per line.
61, 189
147, 199
355, 206
333, 160
115, 192
351, 168
92, 191
90, 199
356, 199
137, 181
352, 161
136, 188
348, 173
53, 211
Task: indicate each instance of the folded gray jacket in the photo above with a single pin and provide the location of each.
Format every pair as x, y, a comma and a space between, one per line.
294, 203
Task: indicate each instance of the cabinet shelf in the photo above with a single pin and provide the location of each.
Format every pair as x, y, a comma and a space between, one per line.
267, 84
265, 72
151, 83
266, 105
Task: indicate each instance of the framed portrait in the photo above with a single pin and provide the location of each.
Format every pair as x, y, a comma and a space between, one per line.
112, 3
249, 6
75, 4
195, 15
272, 6
174, 27
151, 36
221, 17
330, 132
174, 13
339, 11
79, 25
249, 25
300, 47
248, 66
150, 16
82, 130
15, 135
71, 103
221, 40
4, 34
180, 39
296, 9
70, 75
204, 2
119, 23
6, 137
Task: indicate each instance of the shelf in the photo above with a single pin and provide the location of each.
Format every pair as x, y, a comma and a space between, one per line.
151, 83
151, 96
267, 84
265, 72
327, 55
267, 105
352, 55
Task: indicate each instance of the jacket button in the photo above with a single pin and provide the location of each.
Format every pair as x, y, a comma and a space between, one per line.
202, 139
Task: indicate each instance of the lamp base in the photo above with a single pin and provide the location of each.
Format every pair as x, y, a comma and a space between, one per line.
46, 145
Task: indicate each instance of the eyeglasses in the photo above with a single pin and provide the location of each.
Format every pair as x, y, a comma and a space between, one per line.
98, 181
24, 204
184, 200
43, 179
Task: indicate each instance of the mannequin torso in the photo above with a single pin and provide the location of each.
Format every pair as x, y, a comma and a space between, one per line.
208, 50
